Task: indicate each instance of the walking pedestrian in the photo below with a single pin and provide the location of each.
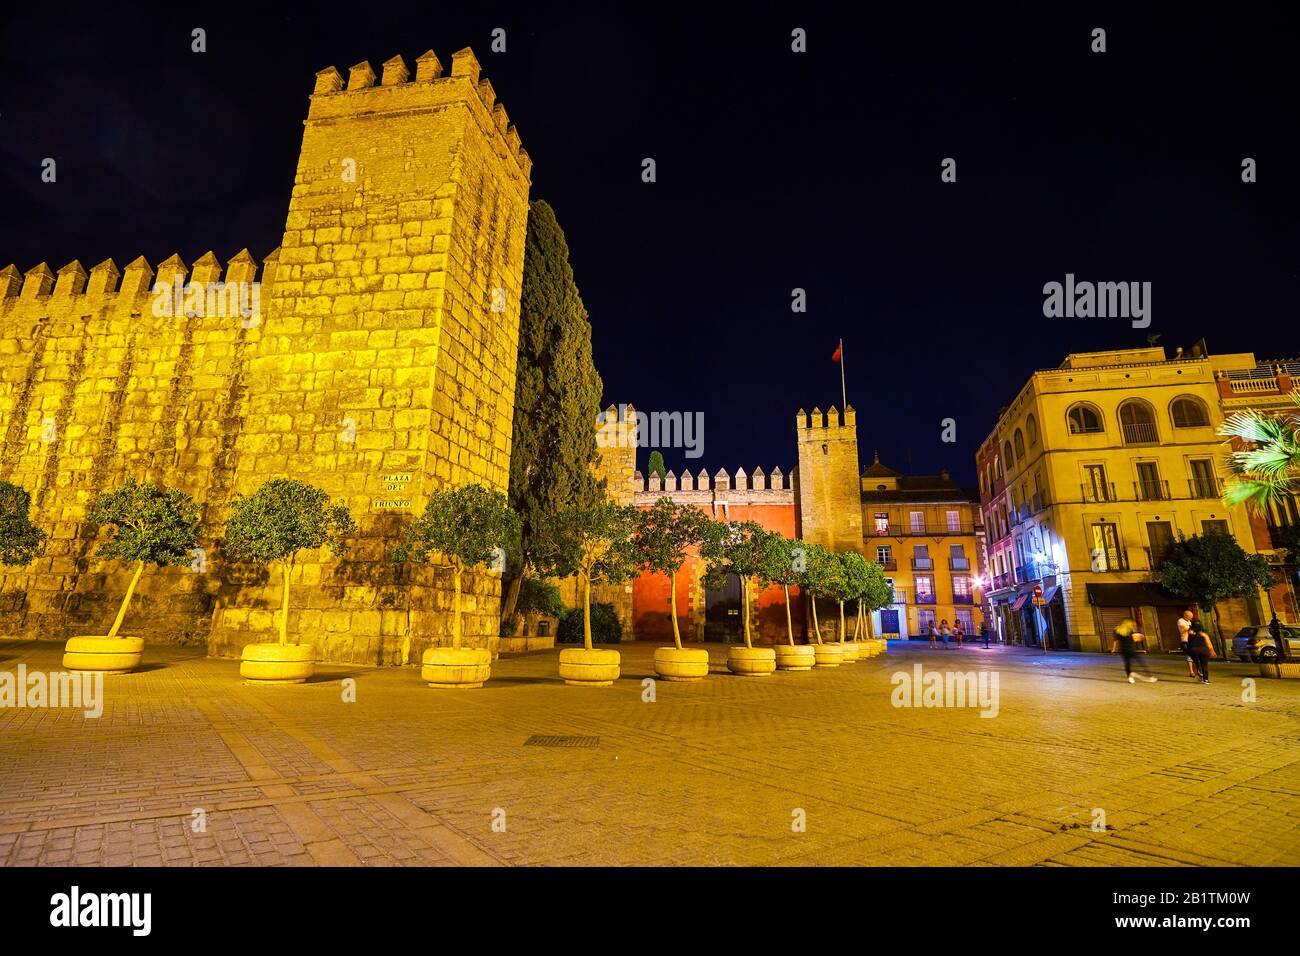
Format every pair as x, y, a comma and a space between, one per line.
930, 629
1275, 631
1125, 643
958, 633
1200, 648
1184, 627
984, 633
945, 632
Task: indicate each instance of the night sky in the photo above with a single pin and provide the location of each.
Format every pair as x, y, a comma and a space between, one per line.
776, 170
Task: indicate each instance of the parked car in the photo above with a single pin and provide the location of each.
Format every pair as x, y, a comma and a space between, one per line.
1256, 643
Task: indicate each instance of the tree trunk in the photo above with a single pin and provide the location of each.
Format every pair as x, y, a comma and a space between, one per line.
744, 597
789, 624
1218, 632
510, 597
841, 622
284, 602
817, 630
130, 589
455, 603
586, 610
672, 604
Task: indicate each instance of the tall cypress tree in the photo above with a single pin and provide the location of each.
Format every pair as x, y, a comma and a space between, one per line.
557, 396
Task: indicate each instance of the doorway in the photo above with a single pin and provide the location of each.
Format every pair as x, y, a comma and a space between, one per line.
722, 612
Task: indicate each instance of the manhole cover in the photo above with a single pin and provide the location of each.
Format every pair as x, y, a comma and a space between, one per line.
542, 740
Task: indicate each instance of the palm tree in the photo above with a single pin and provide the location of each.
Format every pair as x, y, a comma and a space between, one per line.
1267, 467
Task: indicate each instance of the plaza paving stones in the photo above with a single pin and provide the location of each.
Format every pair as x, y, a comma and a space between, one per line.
709, 773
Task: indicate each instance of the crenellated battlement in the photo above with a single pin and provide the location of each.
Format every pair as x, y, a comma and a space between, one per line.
826, 421
365, 94
739, 488
177, 289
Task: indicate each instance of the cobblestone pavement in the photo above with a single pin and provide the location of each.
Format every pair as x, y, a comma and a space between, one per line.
717, 772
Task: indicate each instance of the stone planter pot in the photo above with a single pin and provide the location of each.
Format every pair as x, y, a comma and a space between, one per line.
851, 652
688, 663
751, 661
1284, 669
277, 663
455, 668
584, 668
828, 655
800, 657
103, 655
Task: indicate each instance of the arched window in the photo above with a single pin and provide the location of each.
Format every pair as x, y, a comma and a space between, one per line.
1009, 455
1084, 420
1138, 423
1031, 426
1020, 444
1189, 412
1001, 470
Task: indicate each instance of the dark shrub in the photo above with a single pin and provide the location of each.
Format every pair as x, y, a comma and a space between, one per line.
605, 627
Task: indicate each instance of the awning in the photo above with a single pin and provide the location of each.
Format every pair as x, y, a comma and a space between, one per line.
1050, 593
1132, 595
1020, 601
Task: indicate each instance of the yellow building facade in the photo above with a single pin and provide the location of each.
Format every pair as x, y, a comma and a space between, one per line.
1092, 473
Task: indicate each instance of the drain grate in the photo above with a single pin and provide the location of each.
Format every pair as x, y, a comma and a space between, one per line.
543, 740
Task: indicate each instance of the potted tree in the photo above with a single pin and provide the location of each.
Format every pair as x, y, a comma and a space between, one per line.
742, 548
821, 578
663, 534
277, 521
785, 562
876, 593
594, 543
539, 604
464, 527
148, 524
848, 586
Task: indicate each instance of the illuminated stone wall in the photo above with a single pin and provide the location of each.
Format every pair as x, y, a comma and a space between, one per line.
381, 368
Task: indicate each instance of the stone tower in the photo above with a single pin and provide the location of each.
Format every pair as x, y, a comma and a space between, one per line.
385, 368
828, 486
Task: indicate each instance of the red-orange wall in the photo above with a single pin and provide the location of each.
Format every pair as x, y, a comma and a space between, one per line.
650, 604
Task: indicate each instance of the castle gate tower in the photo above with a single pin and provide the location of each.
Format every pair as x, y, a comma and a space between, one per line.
828, 488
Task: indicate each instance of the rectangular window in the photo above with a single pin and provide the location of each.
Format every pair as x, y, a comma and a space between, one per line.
924, 620
957, 560
954, 521
1149, 486
1213, 526
961, 586
918, 522
1160, 535
1204, 483
921, 558
882, 523
1106, 552
884, 554
966, 618
1095, 486
924, 589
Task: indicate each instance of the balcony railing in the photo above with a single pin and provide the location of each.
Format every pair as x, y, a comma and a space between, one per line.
1205, 488
1109, 559
1002, 580
1151, 490
963, 599
922, 598
1023, 574
1101, 491
1140, 433
1038, 502
959, 564
923, 564
891, 564
937, 529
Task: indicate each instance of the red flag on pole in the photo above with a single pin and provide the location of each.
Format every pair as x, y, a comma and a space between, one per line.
838, 349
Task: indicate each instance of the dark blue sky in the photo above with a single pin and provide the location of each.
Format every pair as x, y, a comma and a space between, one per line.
775, 171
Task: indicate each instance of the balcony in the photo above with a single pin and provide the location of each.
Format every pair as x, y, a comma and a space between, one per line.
1099, 492
1023, 575
923, 564
890, 564
1140, 433
924, 598
1109, 559
1151, 490
900, 596
1002, 581
959, 564
1204, 488
1038, 502
963, 599
937, 529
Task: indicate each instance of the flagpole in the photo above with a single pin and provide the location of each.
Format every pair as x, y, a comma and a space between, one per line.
844, 391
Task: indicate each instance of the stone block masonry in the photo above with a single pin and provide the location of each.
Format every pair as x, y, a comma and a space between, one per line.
382, 370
